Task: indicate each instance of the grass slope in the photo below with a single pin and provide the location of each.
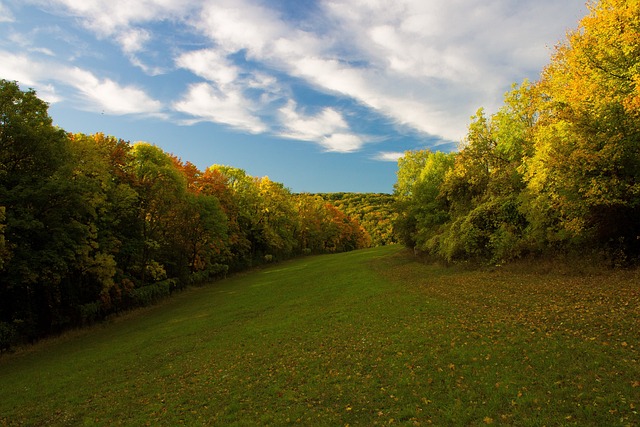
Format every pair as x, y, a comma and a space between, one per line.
363, 338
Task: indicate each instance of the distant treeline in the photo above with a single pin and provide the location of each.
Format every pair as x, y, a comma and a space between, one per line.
374, 211
555, 170
91, 225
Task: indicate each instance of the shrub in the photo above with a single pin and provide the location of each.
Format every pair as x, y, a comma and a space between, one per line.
147, 295
90, 312
214, 272
7, 336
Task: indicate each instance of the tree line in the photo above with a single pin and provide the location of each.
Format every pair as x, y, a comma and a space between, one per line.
374, 211
91, 225
555, 170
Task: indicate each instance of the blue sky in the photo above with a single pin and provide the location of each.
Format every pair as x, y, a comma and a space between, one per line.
322, 96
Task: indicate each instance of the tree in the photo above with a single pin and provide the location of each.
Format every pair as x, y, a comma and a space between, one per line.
558, 166
201, 225
276, 218
421, 208
239, 196
90, 224
484, 186
586, 166
341, 232
467, 205
310, 214
4, 252
161, 190
374, 211
109, 207
30, 146
53, 190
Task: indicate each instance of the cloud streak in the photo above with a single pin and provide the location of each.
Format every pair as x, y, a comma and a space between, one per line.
90, 92
5, 14
423, 65
327, 128
388, 156
205, 103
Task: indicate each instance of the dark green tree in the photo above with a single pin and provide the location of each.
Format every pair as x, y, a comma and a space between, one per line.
42, 232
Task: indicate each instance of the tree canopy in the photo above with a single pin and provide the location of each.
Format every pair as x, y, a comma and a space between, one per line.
91, 224
557, 168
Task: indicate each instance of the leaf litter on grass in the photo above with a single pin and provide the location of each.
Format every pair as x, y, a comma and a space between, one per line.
366, 338
562, 347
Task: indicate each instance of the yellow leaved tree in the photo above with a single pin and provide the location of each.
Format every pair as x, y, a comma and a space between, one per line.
584, 175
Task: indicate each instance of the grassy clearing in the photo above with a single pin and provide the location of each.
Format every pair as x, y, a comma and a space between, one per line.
364, 338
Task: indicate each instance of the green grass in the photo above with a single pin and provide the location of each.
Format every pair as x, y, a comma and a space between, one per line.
364, 338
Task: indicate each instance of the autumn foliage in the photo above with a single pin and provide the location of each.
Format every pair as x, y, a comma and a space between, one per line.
91, 225
555, 170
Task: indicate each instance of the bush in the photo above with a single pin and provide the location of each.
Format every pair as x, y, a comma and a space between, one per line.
149, 294
8, 336
214, 272
90, 312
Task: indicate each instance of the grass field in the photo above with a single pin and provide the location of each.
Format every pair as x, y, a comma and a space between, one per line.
371, 337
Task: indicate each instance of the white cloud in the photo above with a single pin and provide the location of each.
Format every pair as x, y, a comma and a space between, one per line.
388, 156
28, 74
209, 64
241, 24
206, 103
424, 64
108, 95
5, 14
109, 18
124, 21
342, 142
133, 40
327, 128
95, 94
18, 67
231, 95
260, 33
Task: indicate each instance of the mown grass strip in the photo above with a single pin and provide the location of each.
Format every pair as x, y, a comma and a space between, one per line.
363, 338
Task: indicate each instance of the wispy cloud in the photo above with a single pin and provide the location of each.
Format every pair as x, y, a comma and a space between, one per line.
5, 14
110, 18
422, 64
230, 95
92, 93
328, 128
108, 95
204, 102
210, 64
388, 156
427, 65
128, 23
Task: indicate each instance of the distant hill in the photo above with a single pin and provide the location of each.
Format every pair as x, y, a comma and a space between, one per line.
374, 211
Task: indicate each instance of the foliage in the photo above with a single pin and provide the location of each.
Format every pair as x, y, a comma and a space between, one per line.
555, 169
91, 225
587, 162
149, 294
7, 336
90, 312
422, 209
374, 212
4, 252
325, 228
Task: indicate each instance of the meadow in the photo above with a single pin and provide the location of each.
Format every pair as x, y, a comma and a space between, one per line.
370, 337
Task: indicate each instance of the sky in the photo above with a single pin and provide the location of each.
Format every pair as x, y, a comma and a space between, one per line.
320, 95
